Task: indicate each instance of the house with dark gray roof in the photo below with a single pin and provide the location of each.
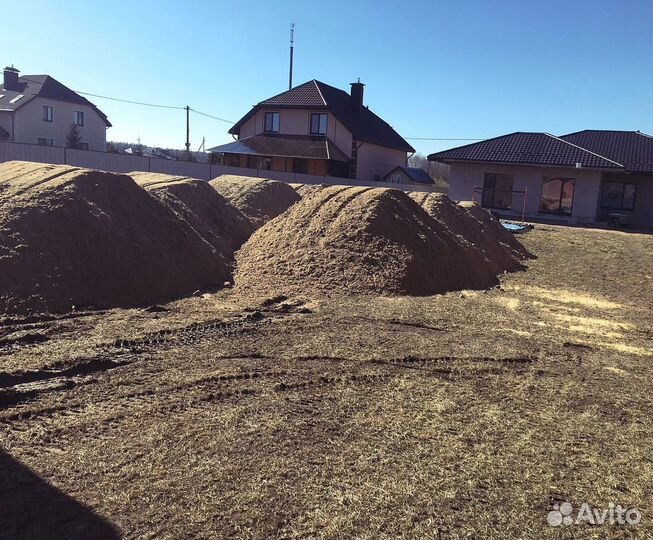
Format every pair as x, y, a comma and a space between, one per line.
38, 109
316, 129
587, 177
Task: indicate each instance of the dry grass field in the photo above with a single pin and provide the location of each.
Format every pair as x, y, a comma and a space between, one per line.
465, 415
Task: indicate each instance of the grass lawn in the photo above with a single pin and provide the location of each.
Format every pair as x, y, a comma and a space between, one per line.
466, 415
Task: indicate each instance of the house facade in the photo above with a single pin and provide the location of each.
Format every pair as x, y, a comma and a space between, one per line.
589, 177
315, 129
38, 109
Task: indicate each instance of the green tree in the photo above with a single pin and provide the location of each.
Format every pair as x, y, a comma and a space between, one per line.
73, 138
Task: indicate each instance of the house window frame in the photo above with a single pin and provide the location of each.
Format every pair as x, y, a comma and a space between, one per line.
48, 113
265, 122
326, 124
494, 205
621, 207
77, 117
563, 180
83, 145
42, 141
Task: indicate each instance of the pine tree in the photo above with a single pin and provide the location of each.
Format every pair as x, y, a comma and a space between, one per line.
73, 138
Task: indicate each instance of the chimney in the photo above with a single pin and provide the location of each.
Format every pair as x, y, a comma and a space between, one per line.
11, 79
357, 95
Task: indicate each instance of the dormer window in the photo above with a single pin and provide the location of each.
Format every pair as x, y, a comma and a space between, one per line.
271, 122
48, 113
318, 123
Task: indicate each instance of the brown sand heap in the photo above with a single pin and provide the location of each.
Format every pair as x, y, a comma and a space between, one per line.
356, 240
213, 217
77, 237
477, 227
259, 199
492, 226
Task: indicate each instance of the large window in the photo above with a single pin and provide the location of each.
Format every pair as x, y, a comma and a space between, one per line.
618, 196
497, 190
557, 196
318, 123
48, 113
271, 122
79, 118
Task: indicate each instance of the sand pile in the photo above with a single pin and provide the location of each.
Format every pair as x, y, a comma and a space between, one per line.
492, 227
77, 237
356, 240
258, 198
213, 217
476, 227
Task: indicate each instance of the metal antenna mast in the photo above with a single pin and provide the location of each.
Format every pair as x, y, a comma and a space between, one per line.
292, 41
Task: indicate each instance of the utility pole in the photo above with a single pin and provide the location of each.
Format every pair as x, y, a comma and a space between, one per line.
187, 129
292, 41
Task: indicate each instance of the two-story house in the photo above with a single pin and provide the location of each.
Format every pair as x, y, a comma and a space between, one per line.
316, 129
38, 109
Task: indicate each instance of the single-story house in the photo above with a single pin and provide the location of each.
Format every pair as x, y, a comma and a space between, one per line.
315, 129
587, 177
408, 175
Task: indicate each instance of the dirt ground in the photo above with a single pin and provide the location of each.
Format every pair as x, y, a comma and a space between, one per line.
465, 415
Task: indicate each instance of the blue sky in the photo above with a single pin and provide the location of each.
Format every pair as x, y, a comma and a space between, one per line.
449, 69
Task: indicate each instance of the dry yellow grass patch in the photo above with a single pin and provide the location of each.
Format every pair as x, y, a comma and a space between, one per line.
566, 297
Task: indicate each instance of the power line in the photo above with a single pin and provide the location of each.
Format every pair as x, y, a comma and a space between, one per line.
132, 102
211, 116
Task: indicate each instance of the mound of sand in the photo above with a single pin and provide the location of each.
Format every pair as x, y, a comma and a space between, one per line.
476, 227
258, 198
492, 227
357, 240
76, 237
213, 217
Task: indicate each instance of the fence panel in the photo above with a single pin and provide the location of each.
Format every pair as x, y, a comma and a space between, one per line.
31, 152
124, 163
182, 168
106, 161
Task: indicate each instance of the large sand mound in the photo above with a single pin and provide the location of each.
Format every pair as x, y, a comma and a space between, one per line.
356, 240
77, 237
477, 227
258, 198
202, 207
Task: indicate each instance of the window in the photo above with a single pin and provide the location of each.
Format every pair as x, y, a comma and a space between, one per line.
318, 123
252, 162
44, 141
497, 190
618, 196
300, 166
79, 118
83, 146
266, 163
271, 122
395, 178
557, 196
48, 113
17, 98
